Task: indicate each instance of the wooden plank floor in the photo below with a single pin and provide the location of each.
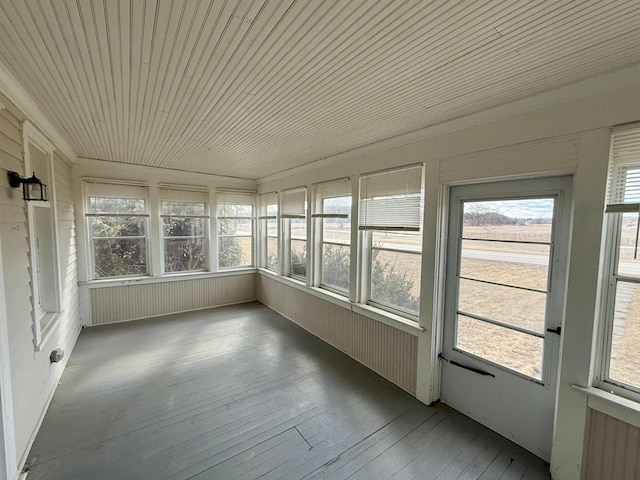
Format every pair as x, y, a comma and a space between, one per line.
242, 393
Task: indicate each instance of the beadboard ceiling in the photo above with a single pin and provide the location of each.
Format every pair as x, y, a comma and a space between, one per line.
250, 88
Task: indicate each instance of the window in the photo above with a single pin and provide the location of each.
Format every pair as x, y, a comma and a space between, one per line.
294, 227
332, 216
269, 231
185, 223
42, 234
390, 223
235, 229
621, 360
117, 222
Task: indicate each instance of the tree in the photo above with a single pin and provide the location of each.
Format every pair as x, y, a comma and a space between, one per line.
230, 250
390, 286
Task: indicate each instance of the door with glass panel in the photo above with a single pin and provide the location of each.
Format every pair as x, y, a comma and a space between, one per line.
506, 265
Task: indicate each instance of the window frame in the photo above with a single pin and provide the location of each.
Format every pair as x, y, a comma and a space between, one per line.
317, 240
207, 224
287, 236
252, 221
263, 231
366, 247
43, 318
89, 235
612, 227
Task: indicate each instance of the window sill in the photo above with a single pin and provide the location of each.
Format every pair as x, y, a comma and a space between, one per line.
388, 318
173, 277
611, 404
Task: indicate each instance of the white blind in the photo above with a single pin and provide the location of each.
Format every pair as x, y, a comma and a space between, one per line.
235, 204
268, 205
391, 200
184, 193
333, 199
100, 189
624, 172
294, 203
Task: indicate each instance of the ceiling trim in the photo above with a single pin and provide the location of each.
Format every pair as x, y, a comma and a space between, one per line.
613, 80
142, 169
10, 87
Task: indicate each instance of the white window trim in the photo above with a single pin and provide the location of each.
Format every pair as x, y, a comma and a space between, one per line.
154, 262
364, 251
254, 230
284, 230
208, 263
315, 242
601, 381
31, 135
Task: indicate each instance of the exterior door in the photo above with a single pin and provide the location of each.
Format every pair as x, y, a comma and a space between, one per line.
506, 269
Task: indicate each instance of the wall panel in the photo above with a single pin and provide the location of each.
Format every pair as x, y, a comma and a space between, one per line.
34, 378
386, 350
131, 302
612, 449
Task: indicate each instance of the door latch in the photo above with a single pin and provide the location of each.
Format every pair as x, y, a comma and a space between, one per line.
557, 330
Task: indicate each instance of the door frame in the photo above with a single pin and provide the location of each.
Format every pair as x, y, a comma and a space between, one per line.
562, 189
8, 460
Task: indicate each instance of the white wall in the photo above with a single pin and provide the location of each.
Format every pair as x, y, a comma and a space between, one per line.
566, 137
33, 377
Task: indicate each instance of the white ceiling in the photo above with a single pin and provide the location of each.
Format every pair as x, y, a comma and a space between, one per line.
250, 88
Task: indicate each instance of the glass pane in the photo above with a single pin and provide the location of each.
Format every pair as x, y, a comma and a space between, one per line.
116, 205
299, 228
335, 266
234, 252
341, 205
499, 262
336, 230
524, 220
184, 227
227, 226
118, 257
272, 227
226, 210
625, 342
299, 258
514, 350
272, 253
272, 210
629, 255
183, 208
184, 254
400, 240
118, 226
395, 279
513, 306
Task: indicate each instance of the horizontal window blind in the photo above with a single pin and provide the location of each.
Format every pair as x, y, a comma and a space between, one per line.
391, 200
333, 199
294, 202
624, 172
268, 203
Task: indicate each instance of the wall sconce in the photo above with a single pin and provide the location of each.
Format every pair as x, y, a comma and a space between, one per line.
32, 188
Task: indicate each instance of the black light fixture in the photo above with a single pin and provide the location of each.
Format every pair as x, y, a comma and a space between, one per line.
32, 188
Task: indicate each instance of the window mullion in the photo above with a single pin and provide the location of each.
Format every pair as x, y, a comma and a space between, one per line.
155, 245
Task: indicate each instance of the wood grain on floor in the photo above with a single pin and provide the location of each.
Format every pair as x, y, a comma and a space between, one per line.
242, 393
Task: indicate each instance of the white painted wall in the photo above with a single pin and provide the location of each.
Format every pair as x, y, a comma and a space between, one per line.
33, 378
567, 136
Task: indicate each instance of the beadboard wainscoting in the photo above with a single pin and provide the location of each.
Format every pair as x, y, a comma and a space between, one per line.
133, 301
612, 448
386, 350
